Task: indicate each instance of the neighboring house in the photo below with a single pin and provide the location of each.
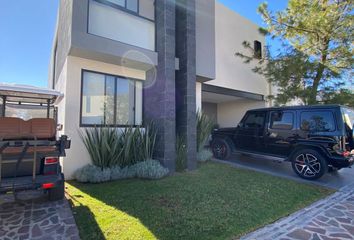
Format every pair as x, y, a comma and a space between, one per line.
127, 62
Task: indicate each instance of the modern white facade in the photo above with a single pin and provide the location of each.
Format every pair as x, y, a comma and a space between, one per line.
111, 63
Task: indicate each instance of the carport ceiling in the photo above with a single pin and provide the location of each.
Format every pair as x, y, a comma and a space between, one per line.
218, 98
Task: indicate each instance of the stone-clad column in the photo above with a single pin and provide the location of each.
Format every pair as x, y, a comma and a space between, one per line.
186, 77
159, 92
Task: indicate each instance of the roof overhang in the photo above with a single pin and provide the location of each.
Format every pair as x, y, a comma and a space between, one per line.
230, 94
29, 94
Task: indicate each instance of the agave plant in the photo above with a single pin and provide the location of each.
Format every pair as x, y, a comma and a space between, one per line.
204, 127
102, 144
108, 148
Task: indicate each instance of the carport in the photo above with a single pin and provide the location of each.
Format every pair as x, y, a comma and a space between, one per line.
227, 106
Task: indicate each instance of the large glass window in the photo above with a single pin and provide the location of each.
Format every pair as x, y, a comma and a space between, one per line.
281, 120
110, 100
143, 8
121, 24
319, 121
254, 120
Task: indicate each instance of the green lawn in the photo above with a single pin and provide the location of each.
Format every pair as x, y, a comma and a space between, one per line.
214, 202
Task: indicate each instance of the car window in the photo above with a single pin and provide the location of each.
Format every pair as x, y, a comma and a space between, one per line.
281, 120
319, 121
254, 120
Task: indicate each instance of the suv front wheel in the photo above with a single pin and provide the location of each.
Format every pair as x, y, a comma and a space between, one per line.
221, 149
309, 164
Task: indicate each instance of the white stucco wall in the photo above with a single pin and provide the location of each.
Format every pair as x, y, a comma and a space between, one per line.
231, 31
69, 109
231, 113
199, 96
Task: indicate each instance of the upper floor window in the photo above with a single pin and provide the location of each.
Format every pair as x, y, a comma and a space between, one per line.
125, 21
319, 121
143, 8
257, 49
110, 100
281, 120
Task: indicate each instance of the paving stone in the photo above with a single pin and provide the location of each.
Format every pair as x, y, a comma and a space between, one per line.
315, 237
333, 223
322, 218
349, 228
341, 235
37, 219
316, 230
299, 234
334, 213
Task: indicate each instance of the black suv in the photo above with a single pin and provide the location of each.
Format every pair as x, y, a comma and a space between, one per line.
315, 139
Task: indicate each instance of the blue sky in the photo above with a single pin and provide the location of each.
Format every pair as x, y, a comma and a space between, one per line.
27, 29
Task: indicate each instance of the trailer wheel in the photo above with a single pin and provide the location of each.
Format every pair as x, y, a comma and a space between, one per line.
56, 193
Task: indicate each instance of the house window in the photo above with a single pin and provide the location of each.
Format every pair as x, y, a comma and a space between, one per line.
281, 120
110, 100
132, 24
257, 49
132, 6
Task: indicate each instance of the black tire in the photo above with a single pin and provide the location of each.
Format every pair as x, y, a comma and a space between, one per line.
57, 193
221, 149
309, 164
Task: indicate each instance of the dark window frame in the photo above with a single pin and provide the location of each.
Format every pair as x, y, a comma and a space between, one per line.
125, 9
115, 107
335, 126
257, 45
277, 129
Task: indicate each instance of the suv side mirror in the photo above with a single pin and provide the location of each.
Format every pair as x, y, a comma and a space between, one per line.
240, 125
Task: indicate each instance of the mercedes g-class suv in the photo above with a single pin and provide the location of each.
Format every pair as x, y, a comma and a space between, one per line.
29, 146
315, 139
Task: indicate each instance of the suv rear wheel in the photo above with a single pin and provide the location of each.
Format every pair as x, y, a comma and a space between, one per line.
309, 164
221, 149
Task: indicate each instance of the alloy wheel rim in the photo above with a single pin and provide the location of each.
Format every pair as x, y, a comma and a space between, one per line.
219, 150
307, 165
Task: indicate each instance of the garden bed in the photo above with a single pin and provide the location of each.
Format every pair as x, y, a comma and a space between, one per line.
214, 202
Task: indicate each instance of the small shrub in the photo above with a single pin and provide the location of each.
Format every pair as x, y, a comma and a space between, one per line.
118, 173
204, 155
128, 172
150, 169
181, 154
92, 174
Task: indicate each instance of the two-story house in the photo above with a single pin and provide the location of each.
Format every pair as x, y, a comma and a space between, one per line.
126, 62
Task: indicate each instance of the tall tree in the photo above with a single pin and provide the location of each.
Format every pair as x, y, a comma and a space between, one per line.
317, 51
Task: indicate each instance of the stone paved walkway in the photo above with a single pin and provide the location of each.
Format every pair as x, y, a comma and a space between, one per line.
36, 219
330, 218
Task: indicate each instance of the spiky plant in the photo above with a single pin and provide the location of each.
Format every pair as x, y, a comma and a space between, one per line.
102, 144
204, 127
181, 154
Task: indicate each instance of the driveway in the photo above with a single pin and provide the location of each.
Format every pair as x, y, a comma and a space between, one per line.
331, 218
31, 216
334, 180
